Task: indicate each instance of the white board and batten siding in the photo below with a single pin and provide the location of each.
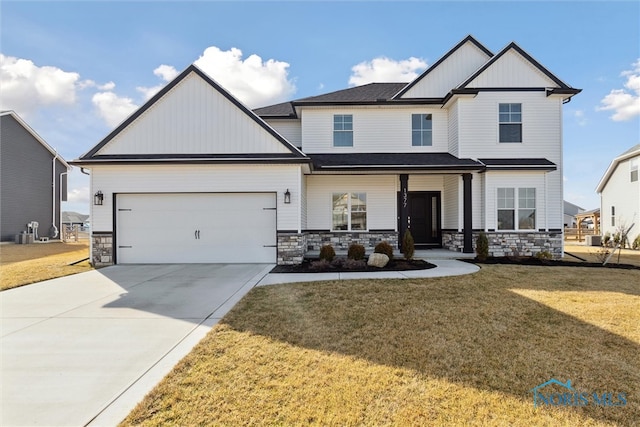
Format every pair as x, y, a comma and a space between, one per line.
193, 118
450, 73
375, 130
252, 178
381, 193
511, 70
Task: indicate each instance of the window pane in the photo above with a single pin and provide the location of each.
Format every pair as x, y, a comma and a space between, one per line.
415, 121
526, 219
343, 138
426, 137
340, 211
503, 108
358, 211
515, 108
416, 138
527, 198
505, 219
510, 133
506, 198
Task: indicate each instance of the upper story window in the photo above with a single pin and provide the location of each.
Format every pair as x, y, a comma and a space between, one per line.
343, 130
421, 130
524, 206
633, 167
510, 119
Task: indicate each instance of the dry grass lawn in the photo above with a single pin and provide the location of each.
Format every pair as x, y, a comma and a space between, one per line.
25, 264
449, 351
590, 253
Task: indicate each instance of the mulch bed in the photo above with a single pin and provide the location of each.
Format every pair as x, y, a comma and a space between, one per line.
393, 265
547, 262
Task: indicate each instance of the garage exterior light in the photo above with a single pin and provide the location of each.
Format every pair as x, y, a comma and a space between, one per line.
287, 197
98, 198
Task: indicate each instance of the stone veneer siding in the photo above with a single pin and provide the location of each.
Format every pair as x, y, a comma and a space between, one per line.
102, 249
291, 248
342, 240
510, 243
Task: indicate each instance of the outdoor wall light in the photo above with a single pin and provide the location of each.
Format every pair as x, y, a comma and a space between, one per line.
98, 198
287, 197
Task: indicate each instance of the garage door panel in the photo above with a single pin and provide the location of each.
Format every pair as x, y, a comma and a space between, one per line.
196, 228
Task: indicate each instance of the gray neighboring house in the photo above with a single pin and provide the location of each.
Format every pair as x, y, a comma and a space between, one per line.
33, 180
570, 212
75, 218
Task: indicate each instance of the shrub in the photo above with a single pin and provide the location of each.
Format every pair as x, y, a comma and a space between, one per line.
408, 245
482, 247
321, 265
355, 264
327, 253
544, 255
617, 238
337, 262
355, 252
384, 248
636, 242
606, 239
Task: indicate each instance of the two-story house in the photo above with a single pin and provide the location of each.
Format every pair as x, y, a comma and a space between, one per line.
619, 191
473, 144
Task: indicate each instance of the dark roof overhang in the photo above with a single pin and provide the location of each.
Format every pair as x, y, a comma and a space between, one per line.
393, 161
538, 164
192, 159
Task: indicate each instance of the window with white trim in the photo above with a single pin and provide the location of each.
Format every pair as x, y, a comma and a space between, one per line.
516, 213
633, 168
613, 216
510, 122
343, 130
421, 130
349, 211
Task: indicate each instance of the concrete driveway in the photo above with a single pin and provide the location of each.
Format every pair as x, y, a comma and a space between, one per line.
84, 349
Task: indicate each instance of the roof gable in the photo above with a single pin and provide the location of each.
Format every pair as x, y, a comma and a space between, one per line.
191, 117
629, 154
447, 73
513, 67
18, 119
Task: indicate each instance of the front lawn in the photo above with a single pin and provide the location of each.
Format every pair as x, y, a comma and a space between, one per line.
25, 264
462, 350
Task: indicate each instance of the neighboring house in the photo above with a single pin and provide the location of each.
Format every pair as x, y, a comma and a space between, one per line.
75, 218
33, 180
570, 212
620, 194
473, 144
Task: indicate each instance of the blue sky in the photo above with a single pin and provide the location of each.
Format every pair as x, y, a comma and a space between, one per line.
73, 70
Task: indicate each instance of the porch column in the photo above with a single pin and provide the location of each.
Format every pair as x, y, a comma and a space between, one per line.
467, 214
404, 207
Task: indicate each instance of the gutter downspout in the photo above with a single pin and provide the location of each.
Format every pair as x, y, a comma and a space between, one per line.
53, 196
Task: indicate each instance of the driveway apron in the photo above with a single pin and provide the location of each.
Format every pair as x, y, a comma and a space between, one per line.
85, 348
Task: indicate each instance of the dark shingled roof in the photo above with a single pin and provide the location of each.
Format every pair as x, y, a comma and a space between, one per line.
398, 161
369, 93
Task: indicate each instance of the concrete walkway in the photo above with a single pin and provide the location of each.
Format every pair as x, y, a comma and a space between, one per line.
445, 267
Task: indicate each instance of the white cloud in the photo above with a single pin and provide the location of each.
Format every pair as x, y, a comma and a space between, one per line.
625, 103
580, 117
113, 108
78, 195
166, 72
27, 87
386, 70
253, 81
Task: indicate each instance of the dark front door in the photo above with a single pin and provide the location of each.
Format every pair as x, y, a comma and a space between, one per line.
424, 217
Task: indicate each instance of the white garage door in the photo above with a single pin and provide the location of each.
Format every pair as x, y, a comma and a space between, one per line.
196, 228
